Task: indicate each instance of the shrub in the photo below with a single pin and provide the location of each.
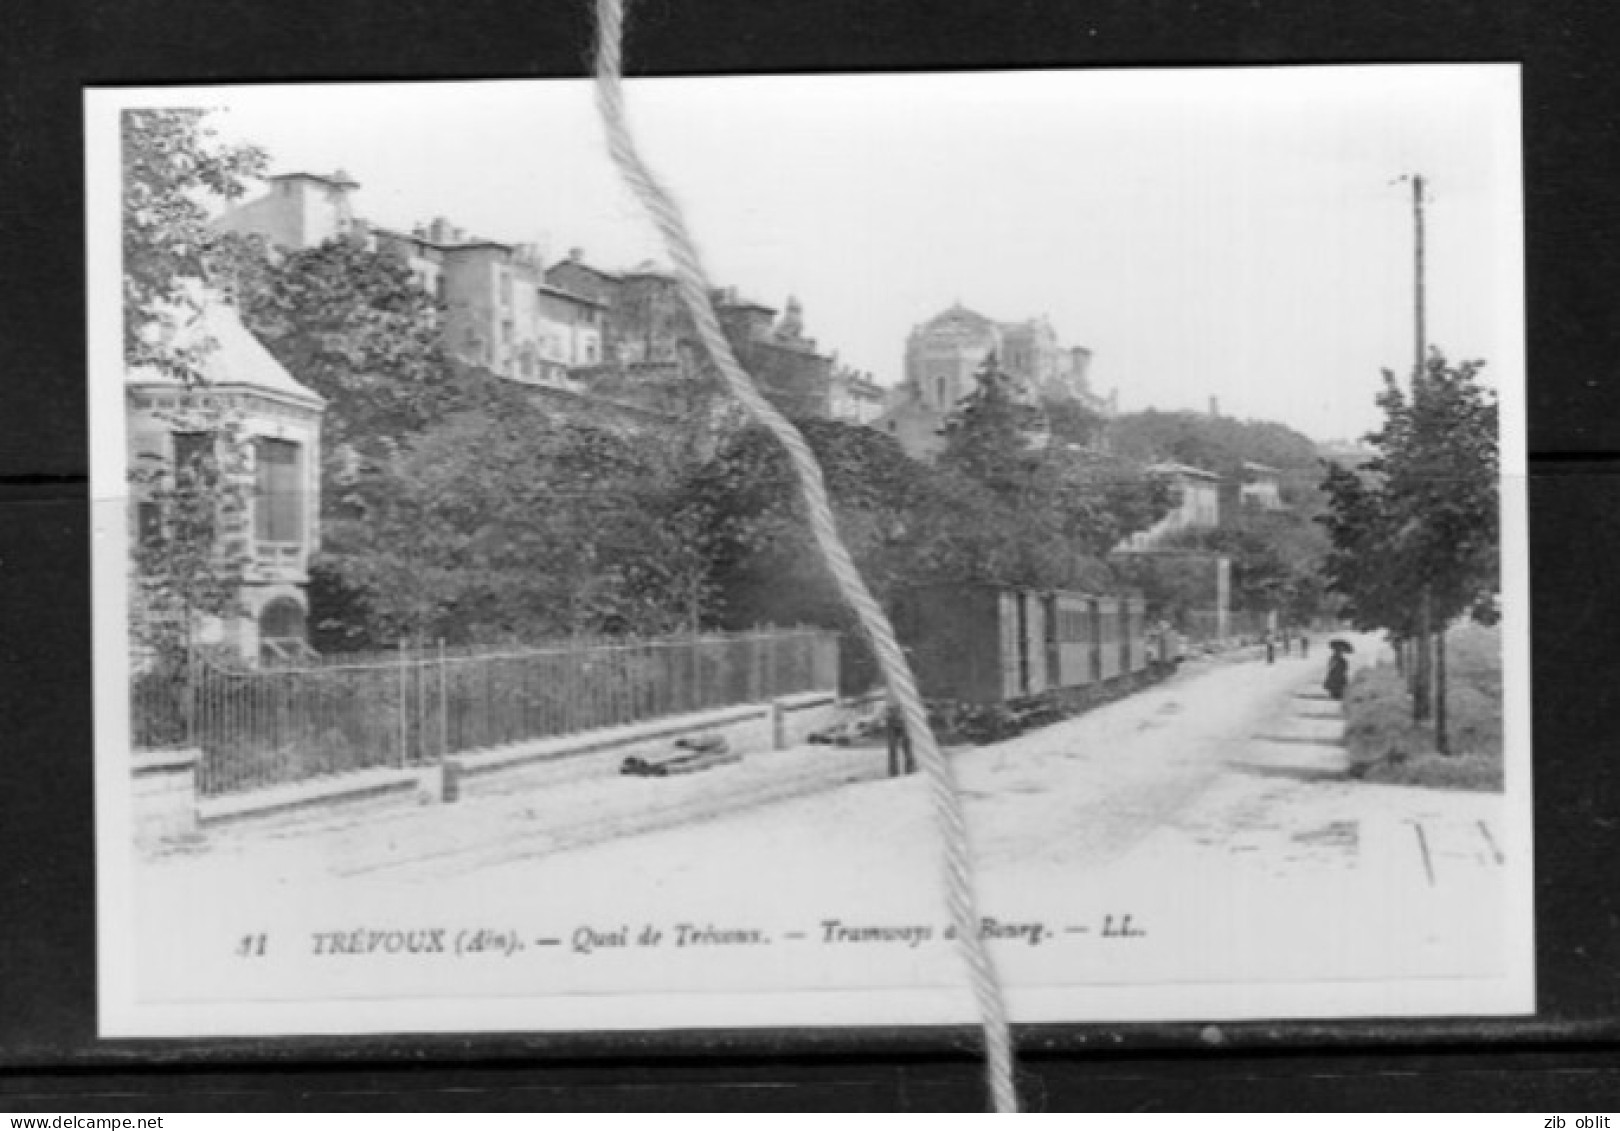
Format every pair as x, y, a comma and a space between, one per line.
976, 723
1378, 719
1440, 771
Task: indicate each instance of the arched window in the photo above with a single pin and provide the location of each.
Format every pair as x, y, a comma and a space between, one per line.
283, 633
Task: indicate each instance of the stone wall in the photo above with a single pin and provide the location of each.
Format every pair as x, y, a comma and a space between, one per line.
164, 796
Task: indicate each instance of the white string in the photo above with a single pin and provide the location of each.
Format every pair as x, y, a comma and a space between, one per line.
695, 290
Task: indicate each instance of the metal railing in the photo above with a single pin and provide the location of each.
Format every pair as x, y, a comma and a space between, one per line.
266, 726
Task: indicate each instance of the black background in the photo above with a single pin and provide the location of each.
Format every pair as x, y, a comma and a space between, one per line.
49, 1055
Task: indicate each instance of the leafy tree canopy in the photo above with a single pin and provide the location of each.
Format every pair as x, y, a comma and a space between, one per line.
174, 171
352, 324
1422, 515
1220, 444
1277, 560
507, 525
187, 559
1065, 502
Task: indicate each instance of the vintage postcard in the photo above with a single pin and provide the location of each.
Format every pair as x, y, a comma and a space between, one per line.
463, 661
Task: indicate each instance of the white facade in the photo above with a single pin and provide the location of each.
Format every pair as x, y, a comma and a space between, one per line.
1198, 504
944, 354
300, 210
500, 313
1261, 488
855, 398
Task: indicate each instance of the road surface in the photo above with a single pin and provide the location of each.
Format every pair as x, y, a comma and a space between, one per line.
1211, 809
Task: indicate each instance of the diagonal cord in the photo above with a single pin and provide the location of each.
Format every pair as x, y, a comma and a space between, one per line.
947, 806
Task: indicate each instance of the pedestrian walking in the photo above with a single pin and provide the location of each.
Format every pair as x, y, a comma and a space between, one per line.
901, 760
1304, 647
1271, 649
1338, 671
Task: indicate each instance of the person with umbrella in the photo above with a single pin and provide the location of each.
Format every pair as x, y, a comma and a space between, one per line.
1338, 671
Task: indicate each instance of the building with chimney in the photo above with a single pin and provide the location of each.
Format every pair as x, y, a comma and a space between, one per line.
300, 210
569, 325
650, 347
500, 311
791, 372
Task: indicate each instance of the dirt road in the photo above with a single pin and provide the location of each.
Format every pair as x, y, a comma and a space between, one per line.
1075, 794
1208, 812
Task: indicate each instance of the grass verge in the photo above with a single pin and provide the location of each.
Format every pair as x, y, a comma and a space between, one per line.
1386, 746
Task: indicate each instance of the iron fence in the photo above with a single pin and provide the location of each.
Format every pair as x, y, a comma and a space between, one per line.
265, 726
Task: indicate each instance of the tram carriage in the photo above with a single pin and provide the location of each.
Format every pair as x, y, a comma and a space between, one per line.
985, 644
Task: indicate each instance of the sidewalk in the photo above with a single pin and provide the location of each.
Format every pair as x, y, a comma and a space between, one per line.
1411, 877
1208, 812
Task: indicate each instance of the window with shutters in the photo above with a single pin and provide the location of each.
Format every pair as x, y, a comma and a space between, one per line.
278, 501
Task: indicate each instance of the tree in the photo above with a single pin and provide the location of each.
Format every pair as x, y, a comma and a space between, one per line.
764, 559
502, 526
1221, 444
903, 522
1277, 559
1055, 508
187, 558
988, 436
1415, 531
173, 170
351, 323
1101, 498
189, 551
1361, 529
1073, 422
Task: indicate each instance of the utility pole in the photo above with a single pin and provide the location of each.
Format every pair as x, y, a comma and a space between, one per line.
1435, 637
1422, 675
1432, 646
1417, 226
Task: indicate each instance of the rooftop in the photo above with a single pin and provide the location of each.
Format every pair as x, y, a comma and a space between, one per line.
337, 179
599, 272
230, 356
559, 292
1171, 468
958, 313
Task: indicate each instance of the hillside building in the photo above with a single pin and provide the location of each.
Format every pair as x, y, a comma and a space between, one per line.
945, 354
569, 325
650, 345
300, 210
855, 397
1261, 488
500, 311
1198, 505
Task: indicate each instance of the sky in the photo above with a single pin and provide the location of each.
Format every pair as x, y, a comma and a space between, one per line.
1234, 233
